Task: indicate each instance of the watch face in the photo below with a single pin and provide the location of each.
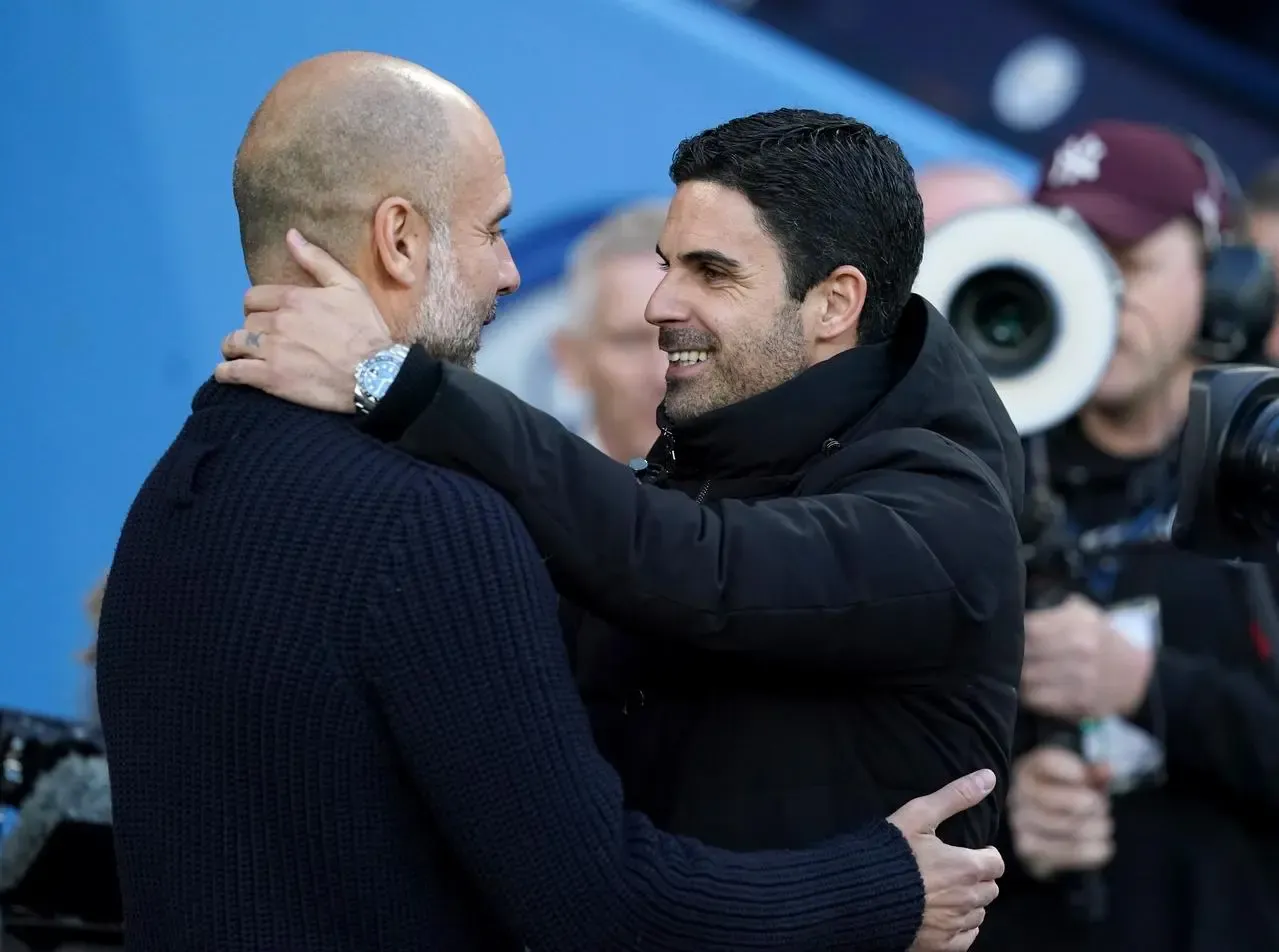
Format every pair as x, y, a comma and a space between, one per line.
375, 375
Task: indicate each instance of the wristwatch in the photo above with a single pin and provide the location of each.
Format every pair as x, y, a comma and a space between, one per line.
374, 376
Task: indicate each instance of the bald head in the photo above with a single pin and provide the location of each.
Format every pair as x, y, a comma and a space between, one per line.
951, 190
336, 136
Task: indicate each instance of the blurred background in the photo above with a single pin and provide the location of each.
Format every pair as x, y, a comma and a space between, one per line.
118, 245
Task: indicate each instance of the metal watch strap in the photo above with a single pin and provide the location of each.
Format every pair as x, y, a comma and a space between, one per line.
374, 376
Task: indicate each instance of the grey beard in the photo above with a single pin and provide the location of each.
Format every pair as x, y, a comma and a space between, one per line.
456, 339
450, 322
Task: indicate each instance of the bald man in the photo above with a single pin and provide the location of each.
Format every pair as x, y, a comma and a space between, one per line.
332, 681
951, 190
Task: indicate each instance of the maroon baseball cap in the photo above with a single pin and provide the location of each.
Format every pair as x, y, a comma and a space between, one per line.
1128, 179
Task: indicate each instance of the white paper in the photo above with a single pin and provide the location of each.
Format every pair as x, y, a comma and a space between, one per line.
1132, 753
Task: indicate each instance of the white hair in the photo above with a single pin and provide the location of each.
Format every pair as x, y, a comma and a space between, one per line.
630, 230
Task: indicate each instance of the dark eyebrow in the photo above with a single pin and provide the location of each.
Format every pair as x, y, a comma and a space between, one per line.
707, 256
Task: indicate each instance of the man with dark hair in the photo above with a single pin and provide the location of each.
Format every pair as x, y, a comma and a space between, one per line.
1263, 223
808, 607
333, 684
828, 191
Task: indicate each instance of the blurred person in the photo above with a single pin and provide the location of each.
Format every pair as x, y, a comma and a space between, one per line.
1263, 222
1161, 655
784, 627
605, 347
333, 684
949, 190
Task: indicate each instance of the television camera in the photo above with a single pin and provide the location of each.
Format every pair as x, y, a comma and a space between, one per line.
1037, 298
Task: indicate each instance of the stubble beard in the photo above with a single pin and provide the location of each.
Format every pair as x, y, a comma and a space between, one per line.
449, 322
751, 368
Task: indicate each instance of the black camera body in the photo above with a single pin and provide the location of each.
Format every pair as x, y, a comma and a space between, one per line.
1228, 504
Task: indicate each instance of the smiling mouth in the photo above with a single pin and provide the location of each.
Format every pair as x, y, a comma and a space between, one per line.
687, 358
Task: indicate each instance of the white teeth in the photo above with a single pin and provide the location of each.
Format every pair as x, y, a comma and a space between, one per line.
686, 358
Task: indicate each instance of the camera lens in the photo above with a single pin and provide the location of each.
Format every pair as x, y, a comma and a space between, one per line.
1249, 486
1006, 317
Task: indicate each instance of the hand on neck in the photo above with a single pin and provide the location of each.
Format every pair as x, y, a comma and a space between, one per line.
1144, 426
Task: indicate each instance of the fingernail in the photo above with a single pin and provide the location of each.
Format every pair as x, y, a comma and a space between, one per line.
986, 780
296, 238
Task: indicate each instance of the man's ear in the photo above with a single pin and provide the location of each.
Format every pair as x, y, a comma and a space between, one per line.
840, 299
401, 238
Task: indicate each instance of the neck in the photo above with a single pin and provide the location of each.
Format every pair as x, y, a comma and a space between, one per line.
278, 267
825, 350
1143, 427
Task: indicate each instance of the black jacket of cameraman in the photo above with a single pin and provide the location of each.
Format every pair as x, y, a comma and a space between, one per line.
1196, 865
808, 611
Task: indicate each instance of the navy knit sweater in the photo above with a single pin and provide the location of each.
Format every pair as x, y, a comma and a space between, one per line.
339, 716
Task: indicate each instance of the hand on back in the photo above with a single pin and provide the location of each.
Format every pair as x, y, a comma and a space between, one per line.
958, 883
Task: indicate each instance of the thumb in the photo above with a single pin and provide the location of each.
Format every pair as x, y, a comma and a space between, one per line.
925, 814
318, 263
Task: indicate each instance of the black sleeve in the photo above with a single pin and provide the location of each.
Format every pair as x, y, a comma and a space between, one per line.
464, 653
1217, 721
790, 579
1219, 724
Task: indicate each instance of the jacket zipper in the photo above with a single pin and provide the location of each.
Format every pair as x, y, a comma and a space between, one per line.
637, 699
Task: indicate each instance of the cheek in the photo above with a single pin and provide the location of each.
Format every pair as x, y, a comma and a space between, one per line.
478, 270
1165, 312
1134, 327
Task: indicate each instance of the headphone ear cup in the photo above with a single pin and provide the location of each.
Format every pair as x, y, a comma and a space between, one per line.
1240, 301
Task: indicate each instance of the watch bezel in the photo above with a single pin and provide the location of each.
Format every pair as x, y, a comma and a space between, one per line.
377, 370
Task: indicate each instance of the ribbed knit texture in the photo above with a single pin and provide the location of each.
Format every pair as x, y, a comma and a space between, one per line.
339, 716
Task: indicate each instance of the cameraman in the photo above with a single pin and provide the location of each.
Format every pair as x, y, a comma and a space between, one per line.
1159, 654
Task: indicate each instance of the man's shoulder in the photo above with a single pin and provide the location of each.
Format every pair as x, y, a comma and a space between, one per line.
411, 491
285, 455
907, 450
949, 496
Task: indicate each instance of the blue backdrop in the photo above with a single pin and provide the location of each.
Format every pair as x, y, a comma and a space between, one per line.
118, 244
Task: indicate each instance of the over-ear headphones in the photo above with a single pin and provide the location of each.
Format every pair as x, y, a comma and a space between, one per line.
1240, 294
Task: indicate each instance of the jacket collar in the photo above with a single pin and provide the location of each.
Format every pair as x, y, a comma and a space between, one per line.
778, 431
